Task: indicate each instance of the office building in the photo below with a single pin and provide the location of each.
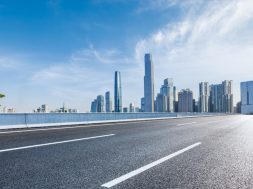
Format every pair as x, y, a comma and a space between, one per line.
175, 98
93, 106
137, 109
117, 92
221, 97
185, 101
216, 98
100, 103
108, 102
238, 108
227, 96
142, 104
204, 95
167, 90
247, 97
149, 84
125, 110
161, 103
131, 107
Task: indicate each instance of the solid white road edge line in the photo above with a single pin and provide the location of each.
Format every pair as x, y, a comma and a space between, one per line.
54, 143
146, 167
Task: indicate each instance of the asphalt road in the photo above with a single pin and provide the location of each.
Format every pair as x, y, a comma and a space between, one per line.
207, 152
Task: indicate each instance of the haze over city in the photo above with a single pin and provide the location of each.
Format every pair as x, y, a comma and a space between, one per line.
55, 51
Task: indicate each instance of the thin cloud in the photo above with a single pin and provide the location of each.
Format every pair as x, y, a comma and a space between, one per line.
211, 43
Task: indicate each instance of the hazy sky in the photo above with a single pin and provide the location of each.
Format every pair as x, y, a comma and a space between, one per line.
55, 51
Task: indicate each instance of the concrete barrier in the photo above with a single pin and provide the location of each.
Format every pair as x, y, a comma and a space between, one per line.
24, 120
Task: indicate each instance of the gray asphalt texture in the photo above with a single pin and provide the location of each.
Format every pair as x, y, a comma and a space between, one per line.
223, 160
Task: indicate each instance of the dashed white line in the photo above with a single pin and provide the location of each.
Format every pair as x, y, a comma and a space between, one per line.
146, 167
54, 143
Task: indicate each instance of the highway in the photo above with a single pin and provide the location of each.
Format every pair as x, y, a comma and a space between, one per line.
204, 152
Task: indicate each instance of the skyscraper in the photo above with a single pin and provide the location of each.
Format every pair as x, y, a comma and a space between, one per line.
149, 84
216, 98
167, 90
227, 96
108, 102
247, 97
175, 98
204, 94
221, 97
131, 107
185, 101
117, 92
161, 103
142, 104
100, 103
93, 106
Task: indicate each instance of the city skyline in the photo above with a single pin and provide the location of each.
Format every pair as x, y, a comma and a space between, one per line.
193, 41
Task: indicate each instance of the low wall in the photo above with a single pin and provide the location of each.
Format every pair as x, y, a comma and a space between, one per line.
19, 120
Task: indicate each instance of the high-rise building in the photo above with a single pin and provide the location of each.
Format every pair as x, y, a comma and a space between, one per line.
168, 90
117, 92
221, 97
131, 107
185, 101
125, 110
247, 97
238, 108
155, 106
175, 97
100, 103
142, 104
161, 103
216, 98
227, 96
204, 95
93, 106
108, 102
149, 84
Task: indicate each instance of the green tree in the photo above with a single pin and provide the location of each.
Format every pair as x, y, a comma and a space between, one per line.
2, 95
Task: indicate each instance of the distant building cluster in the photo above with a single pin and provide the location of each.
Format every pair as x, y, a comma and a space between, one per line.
212, 98
8, 110
45, 109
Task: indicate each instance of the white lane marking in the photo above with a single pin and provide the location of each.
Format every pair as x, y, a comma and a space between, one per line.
146, 167
186, 123
54, 143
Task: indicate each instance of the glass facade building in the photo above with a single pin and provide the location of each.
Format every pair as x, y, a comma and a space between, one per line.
117, 92
108, 102
168, 91
247, 97
100, 103
204, 94
185, 101
149, 84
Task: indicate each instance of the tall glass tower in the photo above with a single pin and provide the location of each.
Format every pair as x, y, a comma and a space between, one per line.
108, 102
149, 84
117, 92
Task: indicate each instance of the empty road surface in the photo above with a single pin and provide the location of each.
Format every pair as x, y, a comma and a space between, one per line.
206, 152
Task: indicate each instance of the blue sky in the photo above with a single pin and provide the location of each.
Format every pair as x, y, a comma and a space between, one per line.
55, 51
